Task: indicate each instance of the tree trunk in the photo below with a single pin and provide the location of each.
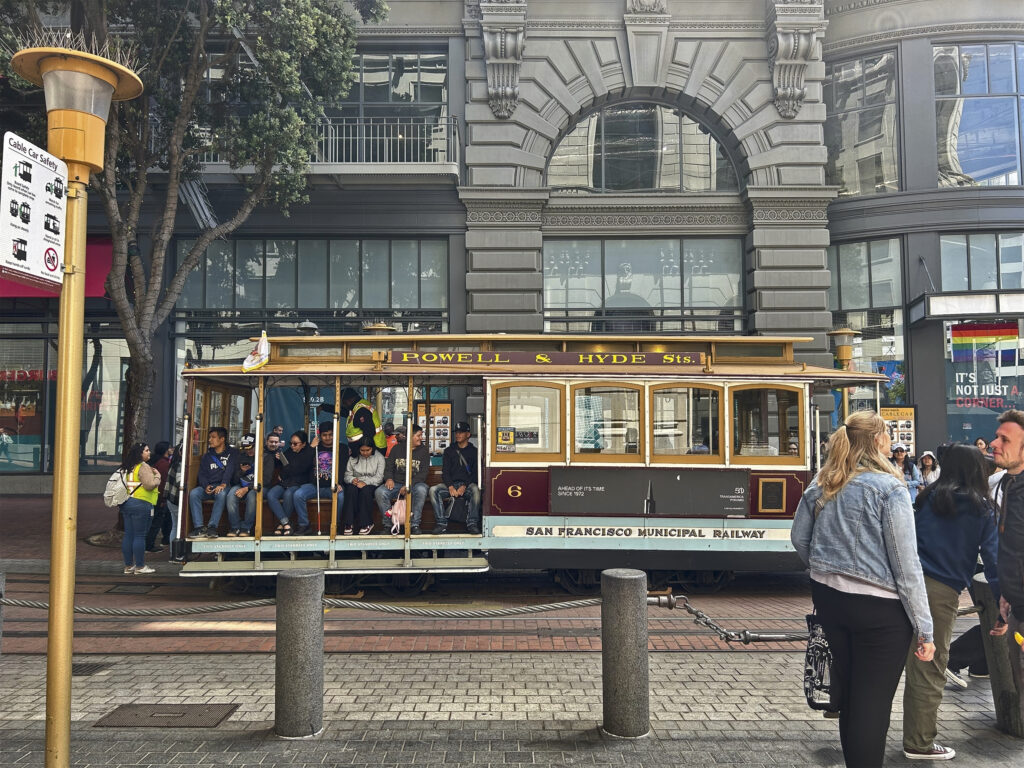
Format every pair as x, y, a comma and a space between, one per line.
140, 379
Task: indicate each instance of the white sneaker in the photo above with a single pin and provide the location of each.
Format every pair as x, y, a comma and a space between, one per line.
129, 570
937, 752
144, 569
954, 679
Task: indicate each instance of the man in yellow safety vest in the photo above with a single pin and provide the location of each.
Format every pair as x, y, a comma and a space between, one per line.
362, 421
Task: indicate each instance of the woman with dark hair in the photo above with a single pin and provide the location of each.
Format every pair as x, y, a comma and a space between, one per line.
854, 527
297, 473
362, 476
929, 466
955, 521
161, 523
137, 511
906, 466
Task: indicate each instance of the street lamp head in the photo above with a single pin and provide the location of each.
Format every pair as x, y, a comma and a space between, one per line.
79, 87
843, 338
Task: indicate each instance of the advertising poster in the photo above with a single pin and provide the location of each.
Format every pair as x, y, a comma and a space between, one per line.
901, 422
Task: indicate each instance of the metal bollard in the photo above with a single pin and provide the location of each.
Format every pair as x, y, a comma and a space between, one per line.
1009, 717
299, 656
624, 663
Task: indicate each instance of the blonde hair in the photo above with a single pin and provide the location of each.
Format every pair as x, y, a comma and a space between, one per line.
853, 449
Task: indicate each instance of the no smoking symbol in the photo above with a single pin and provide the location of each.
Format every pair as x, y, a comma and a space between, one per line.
50, 259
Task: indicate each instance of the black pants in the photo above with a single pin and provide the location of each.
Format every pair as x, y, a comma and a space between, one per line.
358, 506
161, 523
869, 637
968, 650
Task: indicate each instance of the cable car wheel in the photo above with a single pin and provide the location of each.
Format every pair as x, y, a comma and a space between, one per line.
406, 585
579, 581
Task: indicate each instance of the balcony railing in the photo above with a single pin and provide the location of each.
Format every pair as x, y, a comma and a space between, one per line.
429, 144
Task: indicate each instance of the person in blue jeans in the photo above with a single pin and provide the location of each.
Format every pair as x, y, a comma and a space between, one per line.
458, 479
216, 468
323, 450
394, 478
296, 475
143, 482
243, 489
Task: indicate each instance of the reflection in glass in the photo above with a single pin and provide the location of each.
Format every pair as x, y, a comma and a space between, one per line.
607, 420
249, 274
220, 276
404, 269
886, 280
983, 263
853, 275
104, 366
763, 419
22, 394
375, 274
640, 147
192, 293
712, 272
1011, 260
1001, 69
312, 273
572, 274
978, 141
685, 421
953, 258
404, 78
860, 125
533, 413
375, 77
881, 351
433, 79
433, 274
280, 273
973, 69
344, 280
641, 273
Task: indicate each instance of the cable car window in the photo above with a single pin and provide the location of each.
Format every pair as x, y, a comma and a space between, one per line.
686, 421
527, 420
765, 421
606, 420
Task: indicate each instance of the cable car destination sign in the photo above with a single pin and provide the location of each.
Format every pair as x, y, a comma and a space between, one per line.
33, 207
694, 358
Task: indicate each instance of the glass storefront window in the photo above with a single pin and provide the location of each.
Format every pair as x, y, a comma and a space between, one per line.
978, 114
861, 125
981, 261
865, 274
643, 285
344, 276
606, 421
280, 274
640, 147
192, 293
312, 271
533, 415
685, 421
105, 364
220, 274
249, 274
24, 380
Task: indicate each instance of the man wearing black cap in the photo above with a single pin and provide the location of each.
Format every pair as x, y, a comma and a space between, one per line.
243, 489
458, 479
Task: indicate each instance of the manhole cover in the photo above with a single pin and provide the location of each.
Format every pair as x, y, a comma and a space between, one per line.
90, 668
166, 716
131, 589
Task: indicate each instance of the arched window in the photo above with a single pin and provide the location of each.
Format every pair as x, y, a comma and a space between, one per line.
640, 147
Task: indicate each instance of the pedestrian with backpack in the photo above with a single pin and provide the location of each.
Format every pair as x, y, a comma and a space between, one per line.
142, 482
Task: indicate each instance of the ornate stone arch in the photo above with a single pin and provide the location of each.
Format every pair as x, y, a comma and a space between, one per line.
731, 145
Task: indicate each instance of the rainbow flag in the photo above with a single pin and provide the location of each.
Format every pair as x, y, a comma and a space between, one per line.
983, 341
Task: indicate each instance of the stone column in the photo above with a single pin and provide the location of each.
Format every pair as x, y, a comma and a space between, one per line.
299, 655
787, 272
504, 279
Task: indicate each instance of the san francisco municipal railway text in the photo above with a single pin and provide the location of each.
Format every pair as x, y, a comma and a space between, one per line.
671, 533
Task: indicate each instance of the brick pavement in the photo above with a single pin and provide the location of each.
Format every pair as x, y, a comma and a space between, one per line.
738, 709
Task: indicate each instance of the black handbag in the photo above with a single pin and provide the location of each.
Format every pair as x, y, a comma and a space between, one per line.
818, 667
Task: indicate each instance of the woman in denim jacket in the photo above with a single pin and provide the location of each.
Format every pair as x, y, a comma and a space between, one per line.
854, 528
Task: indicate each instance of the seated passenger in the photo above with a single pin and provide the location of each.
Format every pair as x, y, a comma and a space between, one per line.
458, 479
323, 448
394, 477
296, 472
243, 487
216, 468
363, 475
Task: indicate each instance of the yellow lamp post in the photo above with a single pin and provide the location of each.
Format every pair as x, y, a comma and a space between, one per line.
79, 88
843, 338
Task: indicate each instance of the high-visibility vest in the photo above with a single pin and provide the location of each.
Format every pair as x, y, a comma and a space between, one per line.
352, 432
